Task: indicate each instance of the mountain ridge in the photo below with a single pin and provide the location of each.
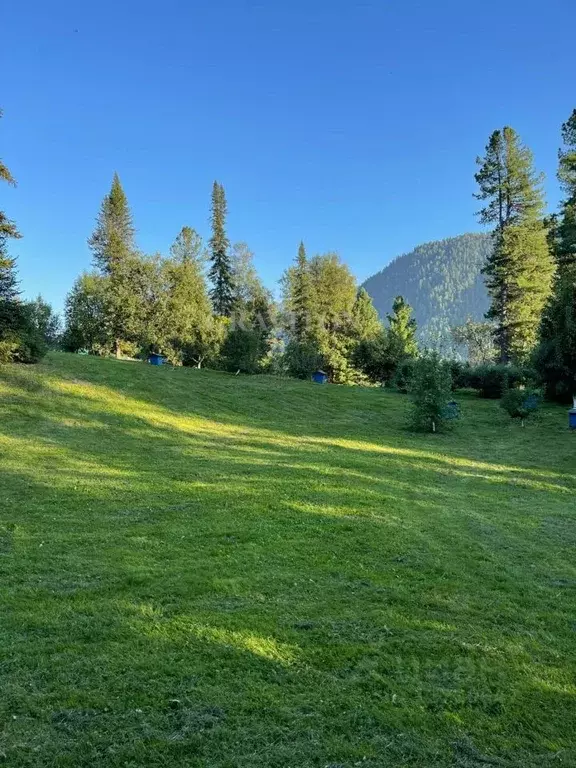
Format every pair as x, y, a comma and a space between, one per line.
441, 280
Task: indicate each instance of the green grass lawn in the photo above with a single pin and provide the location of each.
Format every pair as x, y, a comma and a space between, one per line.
198, 569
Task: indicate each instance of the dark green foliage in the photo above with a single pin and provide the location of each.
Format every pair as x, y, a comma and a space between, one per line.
492, 381
566, 233
520, 403
21, 338
403, 374
382, 351
86, 316
430, 388
442, 280
242, 350
520, 268
220, 271
320, 295
555, 358
376, 358
302, 359
114, 253
9, 291
301, 299
113, 239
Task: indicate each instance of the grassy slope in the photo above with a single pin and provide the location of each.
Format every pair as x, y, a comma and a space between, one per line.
206, 570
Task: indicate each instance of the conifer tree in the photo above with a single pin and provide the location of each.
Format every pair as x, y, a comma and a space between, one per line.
11, 314
566, 232
402, 329
113, 238
114, 253
556, 356
7, 227
302, 297
221, 269
520, 269
366, 324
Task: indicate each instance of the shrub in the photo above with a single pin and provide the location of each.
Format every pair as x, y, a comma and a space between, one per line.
241, 351
21, 340
404, 374
519, 403
431, 391
492, 381
302, 359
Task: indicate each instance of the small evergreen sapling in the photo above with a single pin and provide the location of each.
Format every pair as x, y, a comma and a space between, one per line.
431, 391
519, 403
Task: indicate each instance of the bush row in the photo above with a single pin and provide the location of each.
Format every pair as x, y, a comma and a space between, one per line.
491, 381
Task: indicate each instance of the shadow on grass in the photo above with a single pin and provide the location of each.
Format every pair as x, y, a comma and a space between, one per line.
295, 591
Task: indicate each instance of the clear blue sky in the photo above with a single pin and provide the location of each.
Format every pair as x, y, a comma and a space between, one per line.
353, 124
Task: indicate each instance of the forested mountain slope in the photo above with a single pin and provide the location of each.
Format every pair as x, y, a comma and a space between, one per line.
441, 280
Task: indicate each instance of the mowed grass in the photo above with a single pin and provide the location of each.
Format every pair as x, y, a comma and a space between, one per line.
198, 569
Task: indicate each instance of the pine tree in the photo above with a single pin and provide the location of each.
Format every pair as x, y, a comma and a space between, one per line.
221, 270
520, 269
402, 329
566, 231
556, 356
113, 238
301, 297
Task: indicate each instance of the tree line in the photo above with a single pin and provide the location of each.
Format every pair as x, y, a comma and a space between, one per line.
204, 304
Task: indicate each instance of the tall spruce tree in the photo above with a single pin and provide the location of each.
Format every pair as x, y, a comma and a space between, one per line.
114, 253
520, 269
302, 297
113, 238
556, 356
220, 271
566, 231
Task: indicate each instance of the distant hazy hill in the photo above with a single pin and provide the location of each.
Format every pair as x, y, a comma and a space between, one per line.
442, 282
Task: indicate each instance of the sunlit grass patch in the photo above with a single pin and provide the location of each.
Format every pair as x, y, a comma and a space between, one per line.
206, 570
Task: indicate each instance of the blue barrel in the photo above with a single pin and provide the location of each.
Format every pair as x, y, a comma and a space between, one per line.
572, 418
320, 377
155, 359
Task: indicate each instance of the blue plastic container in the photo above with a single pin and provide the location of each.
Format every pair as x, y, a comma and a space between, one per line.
320, 377
452, 410
572, 418
155, 359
